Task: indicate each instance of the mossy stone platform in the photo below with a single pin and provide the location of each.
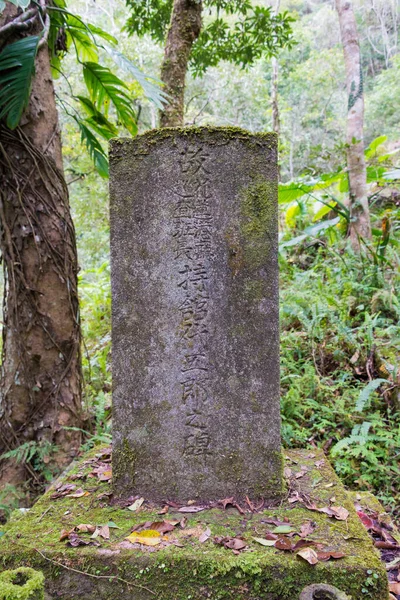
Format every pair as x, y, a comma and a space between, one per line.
189, 569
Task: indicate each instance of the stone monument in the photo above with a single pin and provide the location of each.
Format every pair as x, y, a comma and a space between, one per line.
195, 332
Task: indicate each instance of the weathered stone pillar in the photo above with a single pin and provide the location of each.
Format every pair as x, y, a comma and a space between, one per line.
195, 356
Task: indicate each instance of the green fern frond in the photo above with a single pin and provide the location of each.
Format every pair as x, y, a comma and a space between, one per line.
366, 393
17, 67
94, 147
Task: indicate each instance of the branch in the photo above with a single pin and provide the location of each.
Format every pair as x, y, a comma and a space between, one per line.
20, 23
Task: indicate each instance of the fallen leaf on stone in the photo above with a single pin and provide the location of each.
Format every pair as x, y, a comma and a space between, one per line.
163, 526
386, 545
303, 544
191, 509
275, 522
310, 456
205, 535
324, 556
301, 473
264, 542
164, 510
319, 463
65, 533
283, 543
232, 543
74, 540
307, 528
80, 493
235, 544
294, 498
287, 472
148, 537
105, 475
309, 555
283, 529
394, 587
136, 505
104, 532
85, 528
340, 513
183, 522
62, 491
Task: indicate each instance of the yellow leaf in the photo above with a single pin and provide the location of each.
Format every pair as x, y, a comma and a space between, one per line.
147, 537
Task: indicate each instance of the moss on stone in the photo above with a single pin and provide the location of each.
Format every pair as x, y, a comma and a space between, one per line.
195, 570
23, 583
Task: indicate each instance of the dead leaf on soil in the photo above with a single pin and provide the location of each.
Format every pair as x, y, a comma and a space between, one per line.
309, 555
287, 472
104, 532
191, 509
275, 522
283, 543
80, 493
163, 526
325, 556
232, 543
319, 463
307, 528
205, 535
164, 510
85, 528
136, 505
74, 540
63, 490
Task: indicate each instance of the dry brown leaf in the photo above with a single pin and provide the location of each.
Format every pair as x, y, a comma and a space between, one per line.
307, 528
287, 472
309, 555
85, 528
164, 510
340, 513
205, 535
62, 491
191, 509
283, 543
80, 493
136, 505
319, 463
235, 544
104, 532
163, 526
324, 556
65, 533
394, 587
105, 475
226, 501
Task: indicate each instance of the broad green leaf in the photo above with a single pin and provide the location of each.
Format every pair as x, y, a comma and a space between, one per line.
371, 150
105, 87
84, 45
287, 192
283, 529
290, 215
17, 67
324, 210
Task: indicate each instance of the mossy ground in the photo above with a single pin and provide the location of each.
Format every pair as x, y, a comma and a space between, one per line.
194, 571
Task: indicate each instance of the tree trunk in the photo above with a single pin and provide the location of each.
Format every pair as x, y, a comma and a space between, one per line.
360, 225
40, 387
183, 31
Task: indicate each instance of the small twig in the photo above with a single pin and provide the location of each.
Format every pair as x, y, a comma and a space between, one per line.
55, 562
44, 513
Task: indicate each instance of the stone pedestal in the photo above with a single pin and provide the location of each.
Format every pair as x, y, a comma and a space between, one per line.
195, 339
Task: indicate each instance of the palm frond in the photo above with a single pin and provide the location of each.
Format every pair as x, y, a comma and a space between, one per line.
17, 67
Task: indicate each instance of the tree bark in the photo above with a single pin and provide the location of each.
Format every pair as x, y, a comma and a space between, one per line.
40, 387
183, 31
360, 225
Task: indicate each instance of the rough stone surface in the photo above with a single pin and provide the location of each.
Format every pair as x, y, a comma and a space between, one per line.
183, 567
195, 315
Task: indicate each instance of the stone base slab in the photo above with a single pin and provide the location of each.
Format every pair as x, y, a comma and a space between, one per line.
189, 569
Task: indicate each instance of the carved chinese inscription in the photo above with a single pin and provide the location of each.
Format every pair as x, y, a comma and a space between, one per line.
192, 233
195, 337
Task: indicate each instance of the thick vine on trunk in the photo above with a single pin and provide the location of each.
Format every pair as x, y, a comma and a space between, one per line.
183, 31
360, 225
40, 387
